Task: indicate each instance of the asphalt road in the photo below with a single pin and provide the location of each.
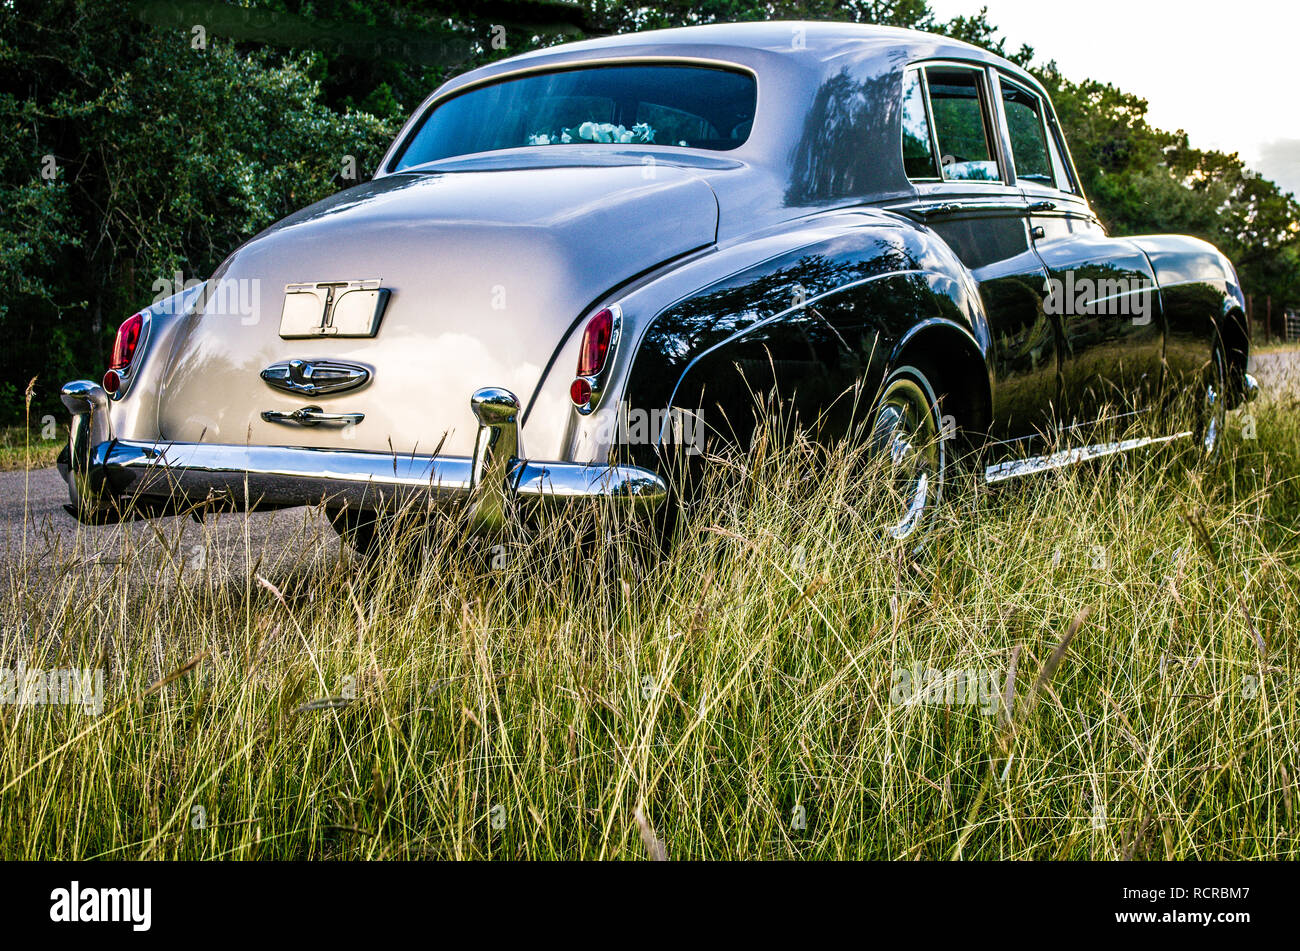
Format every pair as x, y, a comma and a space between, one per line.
35, 528
36, 531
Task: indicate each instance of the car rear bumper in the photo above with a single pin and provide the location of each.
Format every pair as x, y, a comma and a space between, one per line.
105, 474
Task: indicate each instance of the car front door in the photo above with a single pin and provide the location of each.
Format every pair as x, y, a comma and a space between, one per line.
1101, 289
955, 159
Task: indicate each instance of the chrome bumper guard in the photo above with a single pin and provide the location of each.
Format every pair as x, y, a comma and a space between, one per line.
104, 473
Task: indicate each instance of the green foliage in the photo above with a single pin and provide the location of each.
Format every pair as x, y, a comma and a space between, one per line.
1143, 180
164, 159
614, 16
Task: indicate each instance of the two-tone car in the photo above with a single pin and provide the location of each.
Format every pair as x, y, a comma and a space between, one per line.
575, 266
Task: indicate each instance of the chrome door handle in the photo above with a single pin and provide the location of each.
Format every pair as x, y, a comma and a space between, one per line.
974, 206
930, 211
1041, 206
312, 416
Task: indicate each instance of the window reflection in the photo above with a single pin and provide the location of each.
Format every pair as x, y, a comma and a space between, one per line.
959, 125
918, 147
1024, 113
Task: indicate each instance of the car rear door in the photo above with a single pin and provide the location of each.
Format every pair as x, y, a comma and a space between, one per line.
955, 158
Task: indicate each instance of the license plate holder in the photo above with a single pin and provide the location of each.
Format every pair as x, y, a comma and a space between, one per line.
333, 309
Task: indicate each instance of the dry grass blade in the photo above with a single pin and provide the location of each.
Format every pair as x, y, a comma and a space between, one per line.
1058, 653
1203, 538
655, 849
175, 675
323, 703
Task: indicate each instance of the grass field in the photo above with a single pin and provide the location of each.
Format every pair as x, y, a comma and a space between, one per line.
1276, 345
23, 448
1129, 629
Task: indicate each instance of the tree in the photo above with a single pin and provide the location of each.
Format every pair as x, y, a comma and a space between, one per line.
1142, 180
132, 154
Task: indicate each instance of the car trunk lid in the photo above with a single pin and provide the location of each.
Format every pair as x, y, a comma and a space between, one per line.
476, 277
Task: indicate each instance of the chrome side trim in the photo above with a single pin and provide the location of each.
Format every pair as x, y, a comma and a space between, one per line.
1016, 468
943, 208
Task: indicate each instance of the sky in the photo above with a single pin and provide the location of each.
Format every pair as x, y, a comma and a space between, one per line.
1226, 72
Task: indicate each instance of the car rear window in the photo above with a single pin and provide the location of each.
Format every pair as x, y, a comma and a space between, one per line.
680, 106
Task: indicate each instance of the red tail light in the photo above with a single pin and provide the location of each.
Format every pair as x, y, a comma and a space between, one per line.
598, 338
128, 338
580, 392
595, 343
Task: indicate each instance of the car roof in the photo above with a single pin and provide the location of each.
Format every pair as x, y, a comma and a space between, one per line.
784, 44
810, 74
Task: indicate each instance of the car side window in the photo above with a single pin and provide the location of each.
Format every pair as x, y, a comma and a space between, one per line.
919, 160
960, 125
1028, 132
1059, 168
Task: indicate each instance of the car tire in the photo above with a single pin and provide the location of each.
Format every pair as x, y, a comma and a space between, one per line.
908, 429
357, 527
1211, 408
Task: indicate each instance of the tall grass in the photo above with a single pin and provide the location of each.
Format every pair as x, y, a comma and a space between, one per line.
739, 698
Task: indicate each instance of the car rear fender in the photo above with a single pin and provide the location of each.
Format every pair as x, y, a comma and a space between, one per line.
818, 321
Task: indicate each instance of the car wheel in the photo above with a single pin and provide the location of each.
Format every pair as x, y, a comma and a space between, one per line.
1212, 408
356, 527
907, 431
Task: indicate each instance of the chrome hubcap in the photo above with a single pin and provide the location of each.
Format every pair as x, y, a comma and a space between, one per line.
906, 436
1210, 441
1213, 410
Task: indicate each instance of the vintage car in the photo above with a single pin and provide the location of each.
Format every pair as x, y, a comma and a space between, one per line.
577, 266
